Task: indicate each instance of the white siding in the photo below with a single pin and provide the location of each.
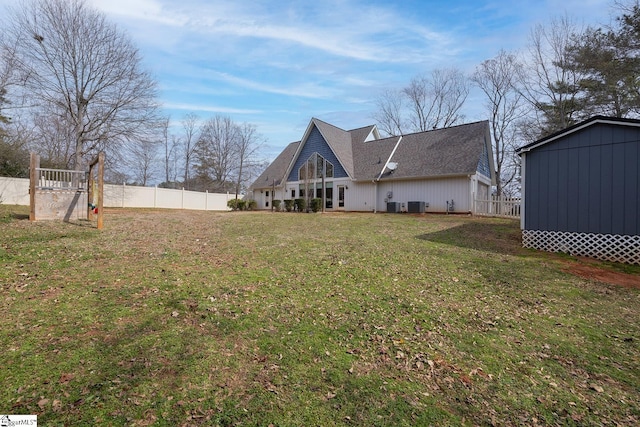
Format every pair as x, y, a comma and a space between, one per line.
435, 192
360, 196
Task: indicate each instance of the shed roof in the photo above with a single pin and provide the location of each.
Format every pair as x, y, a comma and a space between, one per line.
576, 128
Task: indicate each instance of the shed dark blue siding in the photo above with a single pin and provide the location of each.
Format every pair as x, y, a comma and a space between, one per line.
316, 143
586, 182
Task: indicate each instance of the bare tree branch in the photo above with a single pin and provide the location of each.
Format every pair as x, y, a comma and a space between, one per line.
77, 65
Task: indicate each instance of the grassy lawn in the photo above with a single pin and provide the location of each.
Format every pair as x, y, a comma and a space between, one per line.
242, 319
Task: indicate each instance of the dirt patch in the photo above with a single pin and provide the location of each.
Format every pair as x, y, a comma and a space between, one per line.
589, 270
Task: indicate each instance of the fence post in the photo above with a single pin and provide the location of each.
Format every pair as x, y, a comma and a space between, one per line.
206, 200
34, 164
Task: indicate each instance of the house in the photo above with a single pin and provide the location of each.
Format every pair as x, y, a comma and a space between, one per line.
581, 190
441, 170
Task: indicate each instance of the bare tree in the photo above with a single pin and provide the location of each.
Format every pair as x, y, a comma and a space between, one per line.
170, 148
52, 137
215, 152
549, 84
248, 143
76, 64
389, 113
142, 160
436, 101
190, 127
498, 79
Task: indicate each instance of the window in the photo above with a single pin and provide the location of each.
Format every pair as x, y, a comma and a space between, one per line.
267, 193
293, 193
315, 167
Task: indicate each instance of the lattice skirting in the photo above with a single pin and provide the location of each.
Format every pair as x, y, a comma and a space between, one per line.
608, 247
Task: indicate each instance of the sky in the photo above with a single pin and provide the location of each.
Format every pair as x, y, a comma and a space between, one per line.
278, 63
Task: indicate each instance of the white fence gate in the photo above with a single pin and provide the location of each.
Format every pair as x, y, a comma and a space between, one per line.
502, 206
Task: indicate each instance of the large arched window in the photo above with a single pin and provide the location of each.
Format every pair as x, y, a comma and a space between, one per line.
315, 167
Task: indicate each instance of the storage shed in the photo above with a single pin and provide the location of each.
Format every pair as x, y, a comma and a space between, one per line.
581, 190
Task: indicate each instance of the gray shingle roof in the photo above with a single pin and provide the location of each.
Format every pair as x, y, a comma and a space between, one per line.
441, 152
340, 142
277, 169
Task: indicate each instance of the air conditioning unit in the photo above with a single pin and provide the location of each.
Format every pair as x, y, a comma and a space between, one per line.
393, 207
416, 207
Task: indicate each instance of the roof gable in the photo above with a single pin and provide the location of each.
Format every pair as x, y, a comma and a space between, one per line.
324, 143
579, 127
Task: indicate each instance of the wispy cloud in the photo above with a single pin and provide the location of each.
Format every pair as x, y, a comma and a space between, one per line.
209, 109
305, 90
342, 28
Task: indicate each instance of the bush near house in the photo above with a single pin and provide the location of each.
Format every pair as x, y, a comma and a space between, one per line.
316, 205
288, 205
301, 205
242, 205
276, 205
233, 204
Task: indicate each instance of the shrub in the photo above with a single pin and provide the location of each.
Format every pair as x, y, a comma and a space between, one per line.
233, 204
301, 204
276, 205
288, 205
316, 205
250, 205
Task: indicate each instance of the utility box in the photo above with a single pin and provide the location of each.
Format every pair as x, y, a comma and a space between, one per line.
393, 207
416, 207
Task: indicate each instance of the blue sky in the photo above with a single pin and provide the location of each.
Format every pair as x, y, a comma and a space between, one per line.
277, 63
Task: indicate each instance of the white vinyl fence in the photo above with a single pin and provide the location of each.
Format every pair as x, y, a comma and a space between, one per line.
15, 191
499, 206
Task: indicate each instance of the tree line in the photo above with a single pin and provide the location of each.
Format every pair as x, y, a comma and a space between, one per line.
72, 84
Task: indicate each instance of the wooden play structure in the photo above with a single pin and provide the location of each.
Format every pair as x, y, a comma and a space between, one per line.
66, 194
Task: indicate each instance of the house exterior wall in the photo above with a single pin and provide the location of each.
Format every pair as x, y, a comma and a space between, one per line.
586, 182
316, 143
367, 196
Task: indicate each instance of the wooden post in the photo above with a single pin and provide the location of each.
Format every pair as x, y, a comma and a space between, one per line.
100, 190
34, 164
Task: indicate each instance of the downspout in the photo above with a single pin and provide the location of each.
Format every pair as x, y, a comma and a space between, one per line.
375, 196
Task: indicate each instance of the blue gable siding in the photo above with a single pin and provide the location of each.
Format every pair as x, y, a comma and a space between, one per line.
483, 163
316, 143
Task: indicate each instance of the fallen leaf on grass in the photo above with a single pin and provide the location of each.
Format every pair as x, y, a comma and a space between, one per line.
42, 403
596, 387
